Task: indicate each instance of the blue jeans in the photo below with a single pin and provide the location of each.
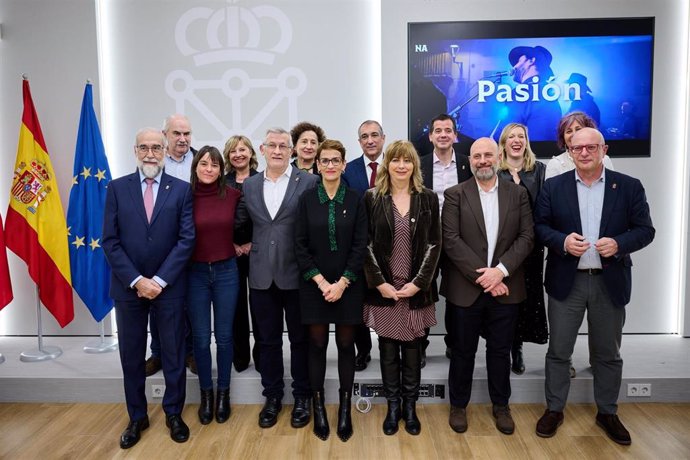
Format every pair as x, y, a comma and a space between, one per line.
214, 283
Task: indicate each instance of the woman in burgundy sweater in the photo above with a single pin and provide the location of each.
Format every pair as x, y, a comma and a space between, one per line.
213, 279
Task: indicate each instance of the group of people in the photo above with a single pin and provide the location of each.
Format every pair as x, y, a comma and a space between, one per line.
360, 245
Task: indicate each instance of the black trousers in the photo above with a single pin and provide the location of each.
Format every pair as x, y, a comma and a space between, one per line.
268, 306
497, 322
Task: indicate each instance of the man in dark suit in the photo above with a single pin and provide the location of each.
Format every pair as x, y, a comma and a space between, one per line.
271, 200
148, 236
442, 169
487, 233
590, 220
360, 175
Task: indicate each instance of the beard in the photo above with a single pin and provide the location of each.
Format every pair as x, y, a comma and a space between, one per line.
483, 174
148, 170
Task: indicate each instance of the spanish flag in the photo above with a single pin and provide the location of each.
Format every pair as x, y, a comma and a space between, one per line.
35, 229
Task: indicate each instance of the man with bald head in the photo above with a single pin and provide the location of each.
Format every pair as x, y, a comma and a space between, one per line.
590, 220
487, 233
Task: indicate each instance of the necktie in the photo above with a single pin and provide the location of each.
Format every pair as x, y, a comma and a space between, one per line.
372, 182
148, 198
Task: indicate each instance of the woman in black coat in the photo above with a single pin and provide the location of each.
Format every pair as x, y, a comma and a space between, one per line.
518, 164
402, 254
330, 241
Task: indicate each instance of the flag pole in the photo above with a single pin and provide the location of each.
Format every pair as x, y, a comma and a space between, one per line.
41, 353
101, 345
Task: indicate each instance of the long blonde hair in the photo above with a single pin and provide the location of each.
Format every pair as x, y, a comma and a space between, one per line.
399, 149
528, 159
231, 144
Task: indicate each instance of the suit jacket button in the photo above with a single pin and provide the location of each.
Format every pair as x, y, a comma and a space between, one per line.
273, 242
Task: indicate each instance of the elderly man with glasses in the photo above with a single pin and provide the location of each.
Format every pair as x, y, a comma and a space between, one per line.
591, 220
271, 203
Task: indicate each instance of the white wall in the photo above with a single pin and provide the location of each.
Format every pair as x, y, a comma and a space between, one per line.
335, 44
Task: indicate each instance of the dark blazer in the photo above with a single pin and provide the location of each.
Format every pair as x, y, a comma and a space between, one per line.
465, 241
461, 161
135, 247
425, 231
243, 233
272, 257
355, 176
532, 180
624, 217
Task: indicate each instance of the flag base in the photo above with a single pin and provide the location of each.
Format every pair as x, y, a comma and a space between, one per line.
40, 354
100, 345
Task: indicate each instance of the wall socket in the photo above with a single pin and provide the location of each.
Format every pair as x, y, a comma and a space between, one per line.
639, 390
157, 391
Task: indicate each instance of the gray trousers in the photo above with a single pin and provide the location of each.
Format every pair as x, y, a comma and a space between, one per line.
605, 324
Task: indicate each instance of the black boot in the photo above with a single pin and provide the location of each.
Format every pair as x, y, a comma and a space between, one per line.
206, 407
321, 428
411, 376
344, 416
223, 405
389, 351
518, 365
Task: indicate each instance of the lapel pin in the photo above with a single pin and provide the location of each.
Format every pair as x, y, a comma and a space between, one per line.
412, 219
613, 186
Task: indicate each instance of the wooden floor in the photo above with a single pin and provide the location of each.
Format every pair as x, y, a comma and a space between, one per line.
91, 431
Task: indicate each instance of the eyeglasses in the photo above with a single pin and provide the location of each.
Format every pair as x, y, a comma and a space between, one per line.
591, 148
281, 147
149, 148
336, 161
374, 136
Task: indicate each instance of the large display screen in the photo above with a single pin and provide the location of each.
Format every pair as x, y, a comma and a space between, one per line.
490, 73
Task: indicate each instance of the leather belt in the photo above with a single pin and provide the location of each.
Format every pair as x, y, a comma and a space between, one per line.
591, 271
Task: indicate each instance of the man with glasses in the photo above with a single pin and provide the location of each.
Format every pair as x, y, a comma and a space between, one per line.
360, 175
178, 163
590, 220
271, 202
148, 237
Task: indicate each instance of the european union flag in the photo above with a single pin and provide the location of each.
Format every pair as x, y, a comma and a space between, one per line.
90, 270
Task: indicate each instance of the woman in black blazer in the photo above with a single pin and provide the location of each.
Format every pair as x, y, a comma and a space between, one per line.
330, 242
402, 254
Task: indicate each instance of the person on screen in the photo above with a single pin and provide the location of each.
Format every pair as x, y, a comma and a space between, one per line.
532, 65
586, 102
591, 220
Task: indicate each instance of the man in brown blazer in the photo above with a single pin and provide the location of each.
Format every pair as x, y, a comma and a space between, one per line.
487, 233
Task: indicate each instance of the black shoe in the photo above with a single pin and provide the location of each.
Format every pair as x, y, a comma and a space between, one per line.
301, 413
206, 407
361, 361
132, 433
409, 415
269, 414
179, 431
153, 365
321, 428
390, 423
518, 363
190, 363
548, 423
223, 405
345, 416
614, 428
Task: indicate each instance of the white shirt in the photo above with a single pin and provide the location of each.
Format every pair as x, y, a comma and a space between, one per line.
444, 176
274, 191
182, 169
489, 202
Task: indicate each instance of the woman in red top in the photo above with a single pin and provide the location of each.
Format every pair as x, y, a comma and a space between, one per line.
213, 279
